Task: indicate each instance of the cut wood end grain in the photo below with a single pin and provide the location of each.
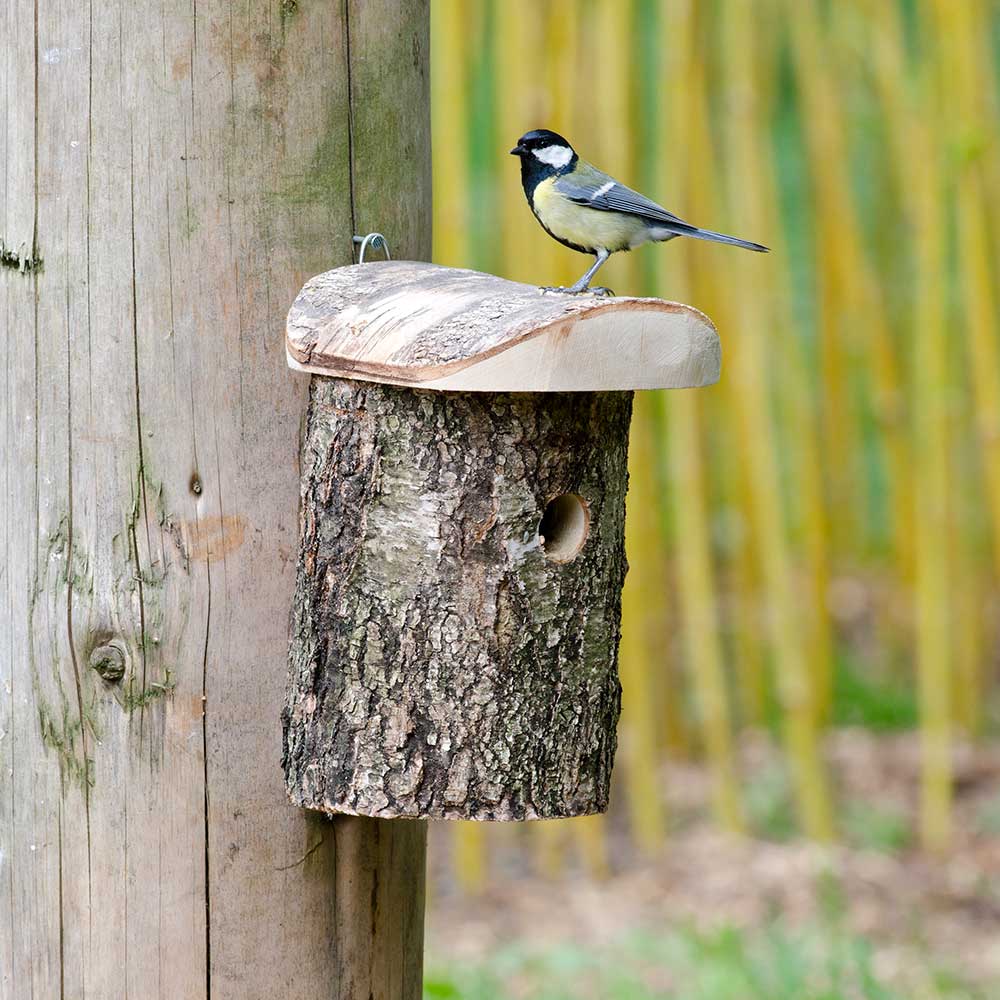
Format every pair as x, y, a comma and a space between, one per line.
411, 323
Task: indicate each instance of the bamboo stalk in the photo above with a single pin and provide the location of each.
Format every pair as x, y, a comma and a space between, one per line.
850, 300
702, 646
647, 141
751, 379
703, 650
932, 578
930, 381
796, 392
450, 73
675, 731
636, 662
709, 283
562, 41
969, 617
448, 120
521, 103
548, 844
592, 845
964, 79
910, 116
965, 76
611, 140
469, 856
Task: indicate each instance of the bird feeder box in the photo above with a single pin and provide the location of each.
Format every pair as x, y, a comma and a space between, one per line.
458, 604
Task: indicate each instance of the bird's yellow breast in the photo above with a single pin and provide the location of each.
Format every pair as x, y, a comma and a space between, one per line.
585, 229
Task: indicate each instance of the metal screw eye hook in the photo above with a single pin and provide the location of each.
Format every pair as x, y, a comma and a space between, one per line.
376, 241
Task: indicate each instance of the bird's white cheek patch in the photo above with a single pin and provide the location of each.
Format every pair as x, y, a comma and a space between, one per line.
555, 156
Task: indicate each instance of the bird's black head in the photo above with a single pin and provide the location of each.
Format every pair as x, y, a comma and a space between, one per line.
539, 138
542, 154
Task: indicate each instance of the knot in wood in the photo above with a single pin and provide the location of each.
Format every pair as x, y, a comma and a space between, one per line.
109, 661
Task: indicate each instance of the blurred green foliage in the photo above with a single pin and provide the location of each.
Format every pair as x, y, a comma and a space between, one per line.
777, 962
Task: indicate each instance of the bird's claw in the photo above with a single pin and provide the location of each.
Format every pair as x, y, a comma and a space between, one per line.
600, 290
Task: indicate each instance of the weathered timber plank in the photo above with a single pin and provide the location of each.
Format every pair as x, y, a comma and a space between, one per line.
193, 170
390, 76
380, 866
381, 871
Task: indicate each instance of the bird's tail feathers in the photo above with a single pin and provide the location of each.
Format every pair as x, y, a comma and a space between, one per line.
707, 234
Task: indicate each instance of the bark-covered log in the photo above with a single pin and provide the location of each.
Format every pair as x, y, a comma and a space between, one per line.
454, 645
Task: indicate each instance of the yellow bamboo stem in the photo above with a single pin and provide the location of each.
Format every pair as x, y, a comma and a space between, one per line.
698, 608
522, 103
709, 285
930, 385
986, 66
850, 299
912, 119
751, 675
799, 418
964, 80
562, 40
795, 390
703, 649
637, 662
450, 131
979, 298
549, 839
449, 119
969, 614
966, 75
469, 855
453, 245
757, 437
932, 581
609, 143
592, 845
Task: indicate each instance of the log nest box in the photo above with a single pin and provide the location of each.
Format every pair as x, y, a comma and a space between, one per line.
461, 558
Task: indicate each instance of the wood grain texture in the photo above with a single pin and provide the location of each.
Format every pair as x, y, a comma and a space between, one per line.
379, 916
180, 169
410, 323
448, 658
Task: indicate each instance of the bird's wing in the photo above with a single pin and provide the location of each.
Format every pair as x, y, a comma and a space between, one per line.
596, 190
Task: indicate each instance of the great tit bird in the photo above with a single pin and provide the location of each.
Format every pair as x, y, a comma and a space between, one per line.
586, 210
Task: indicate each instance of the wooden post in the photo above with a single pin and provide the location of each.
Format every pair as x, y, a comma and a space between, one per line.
172, 173
461, 559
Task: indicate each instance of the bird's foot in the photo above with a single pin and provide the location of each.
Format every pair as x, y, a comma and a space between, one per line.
600, 290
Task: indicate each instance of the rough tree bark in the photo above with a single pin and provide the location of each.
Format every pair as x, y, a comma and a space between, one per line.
172, 173
454, 649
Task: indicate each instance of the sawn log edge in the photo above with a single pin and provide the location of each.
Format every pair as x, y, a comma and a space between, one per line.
423, 325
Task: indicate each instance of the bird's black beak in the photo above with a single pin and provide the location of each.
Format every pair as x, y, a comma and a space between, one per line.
517, 151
